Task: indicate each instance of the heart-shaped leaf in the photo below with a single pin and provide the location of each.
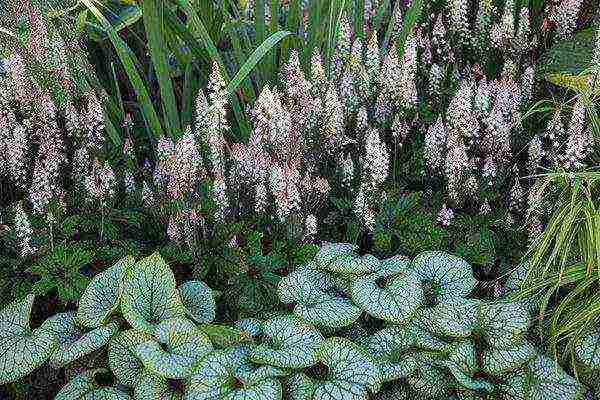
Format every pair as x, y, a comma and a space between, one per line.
150, 295
502, 325
123, 361
304, 285
151, 386
88, 386
21, 349
498, 361
227, 374
443, 275
199, 301
542, 379
456, 318
73, 342
349, 366
292, 344
179, 345
103, 295
332, 312
394, 299
331, 251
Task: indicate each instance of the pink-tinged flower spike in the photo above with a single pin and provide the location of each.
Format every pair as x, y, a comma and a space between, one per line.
362, 121
129, 182
284, 186
460, 116
565, 17
100, 182
456, 167
20, 87
397, 19
217, 97
523, 40
445, 216
73, 121
363, 210
409, 72
23, 230
94, 121
16, 155
203, 118
535, 154
372, 57
317, 75
147, 195
482, 100
516, 194
399, 130
458, 16
184, 168
45, 186
435, 145
435, 80
310, 226
344, 39
527, 85
508, 21
347, 169
333, 116
376, 160
485, 208
580, 141
555, 134
220, 196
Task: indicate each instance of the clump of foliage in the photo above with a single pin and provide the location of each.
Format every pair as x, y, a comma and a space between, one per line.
431, 340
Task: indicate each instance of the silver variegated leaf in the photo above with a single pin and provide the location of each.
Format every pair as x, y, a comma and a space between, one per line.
351, 263
305, 285
73, 342
21, 349
150, 295
299, 387
350, 363
86, 386
151, 386
331, 312
588, 350
250, 326
503, 324
498, 362
227, 374
462, 364
396, 300
103, 295
430, 383
291, 344
542, 379
178, 347
331, 251
443, 275
456, 318
198, 300
122, 360
389, 347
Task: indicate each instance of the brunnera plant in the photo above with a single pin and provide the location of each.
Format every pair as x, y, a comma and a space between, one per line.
430, 338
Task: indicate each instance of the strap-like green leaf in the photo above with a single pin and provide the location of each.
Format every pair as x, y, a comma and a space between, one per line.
150, 295
103, 295
21, 349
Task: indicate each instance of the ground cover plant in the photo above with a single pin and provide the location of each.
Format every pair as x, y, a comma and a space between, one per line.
216, 149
